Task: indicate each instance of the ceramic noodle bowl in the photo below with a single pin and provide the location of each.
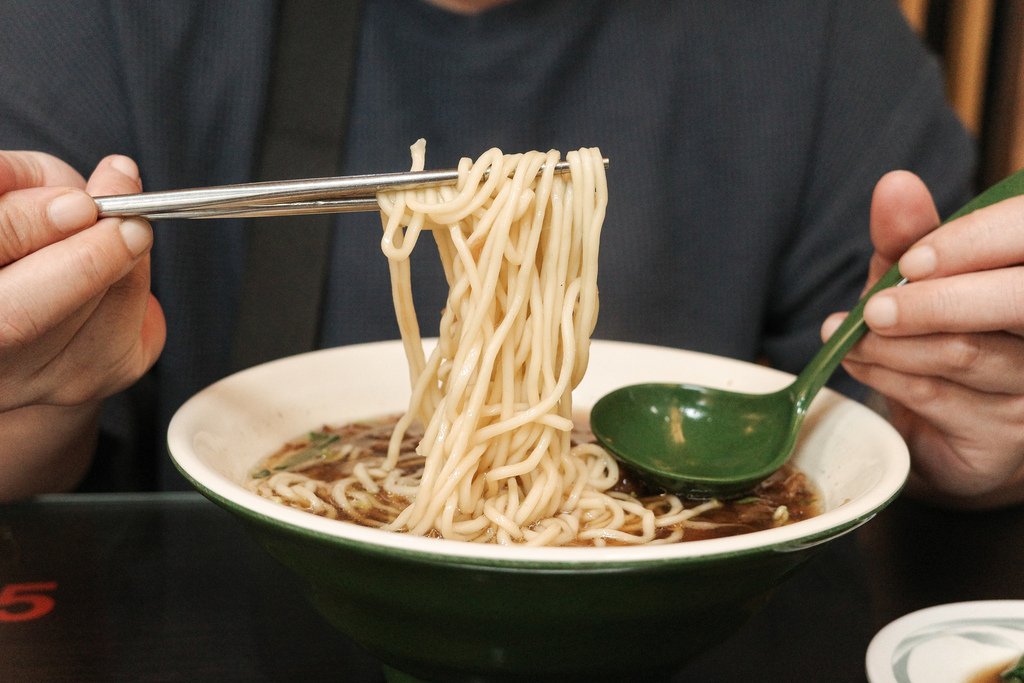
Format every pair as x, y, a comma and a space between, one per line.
436, 610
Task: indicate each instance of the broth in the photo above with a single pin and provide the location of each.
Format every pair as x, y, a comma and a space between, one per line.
333, 453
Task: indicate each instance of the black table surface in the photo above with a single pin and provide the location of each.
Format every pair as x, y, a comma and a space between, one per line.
169, 587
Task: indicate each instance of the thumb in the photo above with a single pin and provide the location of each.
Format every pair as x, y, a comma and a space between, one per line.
902, 212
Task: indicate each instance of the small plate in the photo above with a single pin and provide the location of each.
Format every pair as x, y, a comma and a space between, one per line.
954, 643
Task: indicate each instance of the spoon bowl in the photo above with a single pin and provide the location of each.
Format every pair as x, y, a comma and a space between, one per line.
677, 423
709, 442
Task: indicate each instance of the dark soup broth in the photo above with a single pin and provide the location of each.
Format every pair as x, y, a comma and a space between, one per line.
333, 453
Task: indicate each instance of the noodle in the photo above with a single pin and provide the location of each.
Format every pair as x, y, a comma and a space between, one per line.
520, 254
495, 461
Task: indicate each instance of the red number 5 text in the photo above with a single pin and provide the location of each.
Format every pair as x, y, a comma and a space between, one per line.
26, 601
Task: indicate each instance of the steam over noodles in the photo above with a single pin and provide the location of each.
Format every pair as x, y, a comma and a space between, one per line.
485, 451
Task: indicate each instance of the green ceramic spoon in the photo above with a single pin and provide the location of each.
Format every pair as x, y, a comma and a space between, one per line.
710, 442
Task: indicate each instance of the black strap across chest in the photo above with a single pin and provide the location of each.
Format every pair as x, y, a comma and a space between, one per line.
303, 136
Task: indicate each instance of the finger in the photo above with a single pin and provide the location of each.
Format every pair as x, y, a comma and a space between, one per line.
902, 212
118, 343
974, 302
22, 170
28, 351
989, 362
978, 429
941, 402
115, 174
985, 239
49, 285
33, 218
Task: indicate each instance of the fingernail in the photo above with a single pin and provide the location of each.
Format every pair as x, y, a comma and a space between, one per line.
919, 262
831, 324
71, 211
137, 235
880, 311
125, 166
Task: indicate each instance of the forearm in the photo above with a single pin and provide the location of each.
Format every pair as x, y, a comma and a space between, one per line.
45, 449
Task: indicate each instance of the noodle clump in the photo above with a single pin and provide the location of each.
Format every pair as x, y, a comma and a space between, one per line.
496, 461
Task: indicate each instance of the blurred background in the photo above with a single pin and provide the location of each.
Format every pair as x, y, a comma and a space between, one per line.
981, 46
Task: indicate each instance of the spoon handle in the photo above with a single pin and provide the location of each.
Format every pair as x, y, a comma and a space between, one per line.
853, 328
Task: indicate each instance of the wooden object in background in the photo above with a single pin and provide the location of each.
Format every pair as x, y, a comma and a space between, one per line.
968, 39
980, 44
1003, 143
916, 12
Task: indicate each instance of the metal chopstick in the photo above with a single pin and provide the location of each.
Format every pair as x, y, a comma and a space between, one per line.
255, 210
275, 198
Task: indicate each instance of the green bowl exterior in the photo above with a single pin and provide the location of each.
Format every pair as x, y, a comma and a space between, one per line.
439, 618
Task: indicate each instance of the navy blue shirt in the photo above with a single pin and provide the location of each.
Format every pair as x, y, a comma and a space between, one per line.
744, 141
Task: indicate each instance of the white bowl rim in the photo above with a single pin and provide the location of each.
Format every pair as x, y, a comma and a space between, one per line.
792, 537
